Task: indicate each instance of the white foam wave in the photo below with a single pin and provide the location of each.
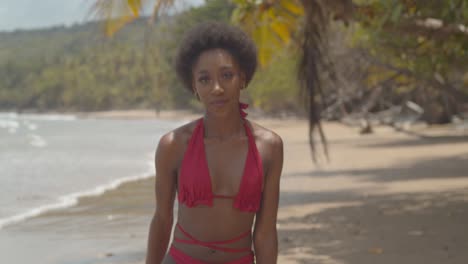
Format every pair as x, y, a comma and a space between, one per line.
5, 123
37, 141
49, 117
9, 115
72, 199
10, 125
29, 125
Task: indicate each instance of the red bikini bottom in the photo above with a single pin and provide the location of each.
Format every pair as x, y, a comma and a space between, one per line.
182, 258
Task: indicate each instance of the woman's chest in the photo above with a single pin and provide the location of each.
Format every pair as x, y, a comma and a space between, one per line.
226, 163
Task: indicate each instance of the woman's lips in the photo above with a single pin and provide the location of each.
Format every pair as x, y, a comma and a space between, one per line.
220, 102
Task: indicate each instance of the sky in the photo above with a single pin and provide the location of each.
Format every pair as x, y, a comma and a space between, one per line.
30, 14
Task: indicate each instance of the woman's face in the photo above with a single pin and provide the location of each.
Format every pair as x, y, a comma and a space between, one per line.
217, 79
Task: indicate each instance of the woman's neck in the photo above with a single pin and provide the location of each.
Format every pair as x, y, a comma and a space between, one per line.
223, 127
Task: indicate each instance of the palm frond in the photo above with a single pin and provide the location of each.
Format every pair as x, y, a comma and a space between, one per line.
118, 13
271, 23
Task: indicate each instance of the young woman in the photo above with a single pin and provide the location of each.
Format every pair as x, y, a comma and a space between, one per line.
224, 169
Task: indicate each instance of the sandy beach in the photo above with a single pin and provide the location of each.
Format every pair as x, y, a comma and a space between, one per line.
387, 197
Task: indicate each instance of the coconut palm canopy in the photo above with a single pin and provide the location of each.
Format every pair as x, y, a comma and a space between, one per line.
415, 44
271, 23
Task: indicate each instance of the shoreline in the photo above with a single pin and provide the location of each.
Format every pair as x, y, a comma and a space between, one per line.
142, 114
184, 115
387, 197
138, 114
73, 199
70, 200
176, 115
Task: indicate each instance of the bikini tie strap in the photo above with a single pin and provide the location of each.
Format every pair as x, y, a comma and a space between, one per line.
216, 245
243, 106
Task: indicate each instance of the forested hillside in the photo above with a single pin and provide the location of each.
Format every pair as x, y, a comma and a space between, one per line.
387, 58
79, 68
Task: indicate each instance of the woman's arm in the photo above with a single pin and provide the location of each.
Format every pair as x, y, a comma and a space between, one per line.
265, 234
161, 225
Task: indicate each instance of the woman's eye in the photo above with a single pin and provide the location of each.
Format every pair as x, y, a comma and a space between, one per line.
228, 75
203, 80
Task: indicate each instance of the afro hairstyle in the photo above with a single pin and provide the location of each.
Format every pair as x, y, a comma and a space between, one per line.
214, 35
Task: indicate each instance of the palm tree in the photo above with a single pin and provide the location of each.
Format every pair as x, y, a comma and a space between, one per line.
272, 24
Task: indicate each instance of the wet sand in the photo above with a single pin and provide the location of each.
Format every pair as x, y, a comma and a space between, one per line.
387, 197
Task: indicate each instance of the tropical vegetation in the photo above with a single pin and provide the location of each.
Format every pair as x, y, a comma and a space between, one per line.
336, 58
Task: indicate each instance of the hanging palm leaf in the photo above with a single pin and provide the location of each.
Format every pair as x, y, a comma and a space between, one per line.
118, 13
270, 23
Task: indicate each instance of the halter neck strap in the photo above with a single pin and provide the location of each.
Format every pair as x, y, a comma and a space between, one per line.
243, 106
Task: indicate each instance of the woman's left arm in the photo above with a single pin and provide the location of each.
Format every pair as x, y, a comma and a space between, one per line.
265, 233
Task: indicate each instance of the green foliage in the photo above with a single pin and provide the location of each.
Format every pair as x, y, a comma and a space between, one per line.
78, 68
274, 87
425, 42
425, 37
271, 24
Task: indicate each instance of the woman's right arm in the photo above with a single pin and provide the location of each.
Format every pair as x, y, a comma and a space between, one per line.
165, 188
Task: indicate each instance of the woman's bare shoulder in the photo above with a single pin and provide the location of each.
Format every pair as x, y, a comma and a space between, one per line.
265, 135
270, 146
174, 142
179, 134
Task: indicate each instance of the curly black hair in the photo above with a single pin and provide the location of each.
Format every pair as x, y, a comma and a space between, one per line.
212, 35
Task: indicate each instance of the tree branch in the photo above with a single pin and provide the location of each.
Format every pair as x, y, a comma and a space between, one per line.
433, 27
435, 83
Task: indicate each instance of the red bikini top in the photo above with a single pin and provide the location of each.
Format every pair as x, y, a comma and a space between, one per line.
195, 182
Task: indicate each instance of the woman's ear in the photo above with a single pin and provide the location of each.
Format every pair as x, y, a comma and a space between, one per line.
196, 94
193, 86
194, 90
243, 80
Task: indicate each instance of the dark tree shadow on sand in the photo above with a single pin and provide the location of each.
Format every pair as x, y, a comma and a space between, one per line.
455, 166
402, 228
421, 227
419, 140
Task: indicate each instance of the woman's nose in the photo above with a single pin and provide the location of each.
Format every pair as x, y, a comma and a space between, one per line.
217, 89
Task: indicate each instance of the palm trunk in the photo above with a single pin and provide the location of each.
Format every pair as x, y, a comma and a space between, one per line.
309, 68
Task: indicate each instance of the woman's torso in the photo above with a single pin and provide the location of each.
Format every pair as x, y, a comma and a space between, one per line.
226, 161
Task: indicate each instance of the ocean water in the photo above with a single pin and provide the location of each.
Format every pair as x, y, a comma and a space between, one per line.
48, 161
